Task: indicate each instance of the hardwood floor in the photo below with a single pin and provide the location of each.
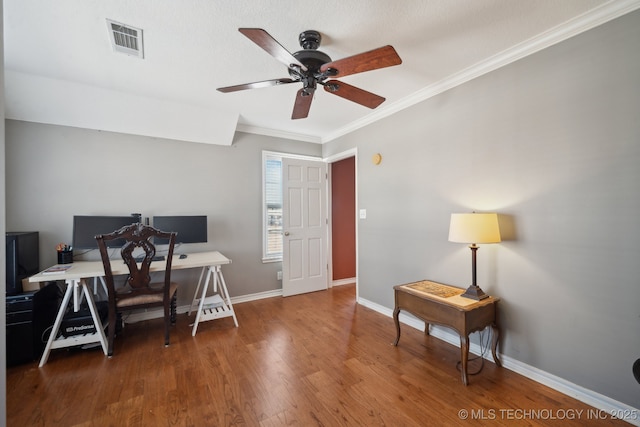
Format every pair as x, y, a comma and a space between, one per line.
311, 360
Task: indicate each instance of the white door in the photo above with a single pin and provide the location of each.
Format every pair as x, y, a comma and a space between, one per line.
304, 252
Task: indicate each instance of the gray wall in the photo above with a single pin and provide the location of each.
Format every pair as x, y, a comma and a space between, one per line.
55, 172
551, 142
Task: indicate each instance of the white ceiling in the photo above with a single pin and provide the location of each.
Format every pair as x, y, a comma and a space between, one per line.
60, 67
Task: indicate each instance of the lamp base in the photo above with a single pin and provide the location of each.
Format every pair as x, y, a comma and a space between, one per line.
474, 292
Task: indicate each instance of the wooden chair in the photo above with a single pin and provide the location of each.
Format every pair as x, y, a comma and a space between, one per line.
138, 290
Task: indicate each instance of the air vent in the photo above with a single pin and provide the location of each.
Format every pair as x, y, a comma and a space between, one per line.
126, 39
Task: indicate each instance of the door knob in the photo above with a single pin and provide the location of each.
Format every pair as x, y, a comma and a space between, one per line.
286, 233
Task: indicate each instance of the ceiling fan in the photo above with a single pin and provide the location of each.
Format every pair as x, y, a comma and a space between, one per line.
312, 67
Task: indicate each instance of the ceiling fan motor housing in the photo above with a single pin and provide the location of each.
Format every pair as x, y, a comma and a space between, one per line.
312, 59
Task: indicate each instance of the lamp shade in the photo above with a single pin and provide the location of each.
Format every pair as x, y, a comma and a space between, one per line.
474, 228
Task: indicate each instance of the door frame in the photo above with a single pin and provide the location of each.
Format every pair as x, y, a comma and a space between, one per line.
353, 152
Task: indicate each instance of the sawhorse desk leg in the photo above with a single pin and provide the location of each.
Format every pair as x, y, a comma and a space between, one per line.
213, 307
76, 288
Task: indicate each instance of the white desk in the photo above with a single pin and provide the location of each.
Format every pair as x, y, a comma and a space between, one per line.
213, 307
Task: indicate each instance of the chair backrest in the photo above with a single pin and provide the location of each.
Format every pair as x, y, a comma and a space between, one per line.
136, 236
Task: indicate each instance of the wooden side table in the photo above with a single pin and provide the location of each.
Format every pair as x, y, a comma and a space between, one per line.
442, 304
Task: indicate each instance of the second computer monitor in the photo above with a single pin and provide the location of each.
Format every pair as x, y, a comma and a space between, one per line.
190, 228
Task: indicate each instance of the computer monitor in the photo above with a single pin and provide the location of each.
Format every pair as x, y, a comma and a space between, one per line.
87, 227
190, 228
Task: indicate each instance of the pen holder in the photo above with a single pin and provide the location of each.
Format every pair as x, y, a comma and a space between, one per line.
65, 257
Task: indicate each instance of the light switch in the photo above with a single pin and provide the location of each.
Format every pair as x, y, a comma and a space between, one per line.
363, 214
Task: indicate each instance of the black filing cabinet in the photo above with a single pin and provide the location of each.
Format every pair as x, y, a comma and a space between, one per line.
20, 333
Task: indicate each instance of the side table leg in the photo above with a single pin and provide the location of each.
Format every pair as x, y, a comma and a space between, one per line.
464, 353
494, 343
396, 313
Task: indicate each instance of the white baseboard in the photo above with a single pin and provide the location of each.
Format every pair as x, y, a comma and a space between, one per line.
257, 296
590, 397
341, 282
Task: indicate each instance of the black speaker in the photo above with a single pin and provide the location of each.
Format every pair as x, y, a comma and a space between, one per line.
636, 370
23, 259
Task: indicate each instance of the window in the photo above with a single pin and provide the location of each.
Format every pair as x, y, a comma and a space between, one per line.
272, 206
272, 220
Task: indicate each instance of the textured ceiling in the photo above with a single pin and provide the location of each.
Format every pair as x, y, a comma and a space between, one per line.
60, 67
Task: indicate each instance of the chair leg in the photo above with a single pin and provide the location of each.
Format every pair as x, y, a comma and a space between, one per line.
173, 307
111, 331
167, 321
169, 316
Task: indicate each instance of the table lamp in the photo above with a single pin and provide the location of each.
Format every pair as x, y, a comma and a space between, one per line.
474, 228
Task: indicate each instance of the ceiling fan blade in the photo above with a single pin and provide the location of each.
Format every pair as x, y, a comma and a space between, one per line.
271, 45
303, 103
353, 93
256, 85
382, 57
